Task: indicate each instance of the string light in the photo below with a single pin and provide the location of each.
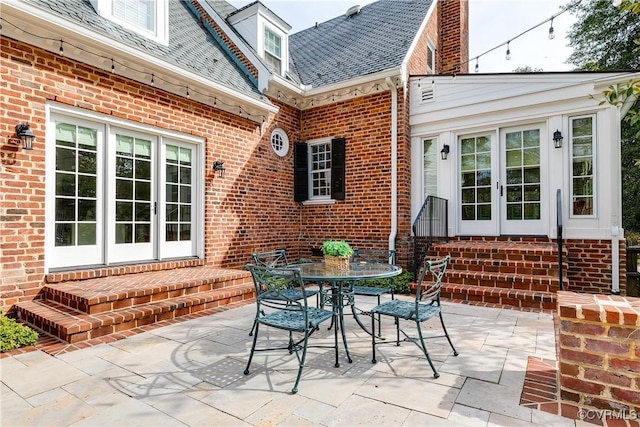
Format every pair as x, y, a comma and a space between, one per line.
508, 55
188, 96
455, 67
477, 67
113, 69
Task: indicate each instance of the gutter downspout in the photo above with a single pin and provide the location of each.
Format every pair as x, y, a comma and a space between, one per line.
394, 164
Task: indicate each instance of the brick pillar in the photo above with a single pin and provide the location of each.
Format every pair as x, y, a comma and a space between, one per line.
599, 351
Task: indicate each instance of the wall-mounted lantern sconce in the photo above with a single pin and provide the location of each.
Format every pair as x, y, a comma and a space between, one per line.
557, 139
219, 166
444, 153
24, 136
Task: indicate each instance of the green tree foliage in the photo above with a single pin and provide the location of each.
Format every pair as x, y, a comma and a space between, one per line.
528, 69
603, 36
606, 37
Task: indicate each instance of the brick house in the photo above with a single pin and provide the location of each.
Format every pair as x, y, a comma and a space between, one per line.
132, 108
172, 142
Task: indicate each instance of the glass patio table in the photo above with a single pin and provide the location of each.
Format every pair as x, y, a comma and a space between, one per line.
341, 286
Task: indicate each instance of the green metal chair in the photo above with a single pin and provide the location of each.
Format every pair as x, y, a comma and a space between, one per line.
277, 307
425, 306
278, 259
373, 256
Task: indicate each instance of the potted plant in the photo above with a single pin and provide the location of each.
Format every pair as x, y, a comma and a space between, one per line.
337, 254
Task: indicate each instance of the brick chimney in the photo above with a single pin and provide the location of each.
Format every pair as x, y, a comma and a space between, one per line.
453, 16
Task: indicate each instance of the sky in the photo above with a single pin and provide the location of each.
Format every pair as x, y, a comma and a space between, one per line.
491, 23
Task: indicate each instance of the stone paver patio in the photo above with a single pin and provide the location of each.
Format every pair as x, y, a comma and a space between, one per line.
191, 373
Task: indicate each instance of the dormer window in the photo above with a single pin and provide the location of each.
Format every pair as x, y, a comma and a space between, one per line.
273, 50
148, 18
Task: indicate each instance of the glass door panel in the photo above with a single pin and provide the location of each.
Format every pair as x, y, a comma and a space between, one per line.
179, 202
77, 195
133, 208
477, 213
521, 186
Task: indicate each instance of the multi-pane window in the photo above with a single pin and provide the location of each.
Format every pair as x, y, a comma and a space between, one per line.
522, 153
273, 49
475, 176
139, 13
75, 185
430, 167
133, 190
582, 165
320, 170
179, 193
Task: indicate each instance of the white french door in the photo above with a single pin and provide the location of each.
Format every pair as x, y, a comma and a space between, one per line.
132, 203
75, 190
119, 195
521, 181
501, 183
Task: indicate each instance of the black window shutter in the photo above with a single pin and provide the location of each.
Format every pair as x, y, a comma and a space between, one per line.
337, 168
300, 172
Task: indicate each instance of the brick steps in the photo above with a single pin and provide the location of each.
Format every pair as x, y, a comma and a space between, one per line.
87, 309
514, 273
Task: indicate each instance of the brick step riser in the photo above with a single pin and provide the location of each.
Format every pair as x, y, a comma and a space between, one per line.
505, 268
491, 256
485, 296
135, 317
132, 298
526, 283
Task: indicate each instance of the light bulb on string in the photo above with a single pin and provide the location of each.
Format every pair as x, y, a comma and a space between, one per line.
552, 34
113, 67
152, 81
61, 48
508, 55
477, 69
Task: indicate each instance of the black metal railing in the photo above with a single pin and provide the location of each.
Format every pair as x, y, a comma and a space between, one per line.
633, 273
559, 235
431, 225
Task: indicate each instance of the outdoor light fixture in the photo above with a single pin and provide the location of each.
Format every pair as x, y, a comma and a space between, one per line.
24, 136
557, 139
219, 166
444, 153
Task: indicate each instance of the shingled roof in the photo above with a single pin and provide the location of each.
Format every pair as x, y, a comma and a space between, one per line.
190, 46
376, 39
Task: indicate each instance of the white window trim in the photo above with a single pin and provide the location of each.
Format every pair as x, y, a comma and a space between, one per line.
108, 122
285, 142
284, 45
594, 152
317, 199
161, 33
431, 46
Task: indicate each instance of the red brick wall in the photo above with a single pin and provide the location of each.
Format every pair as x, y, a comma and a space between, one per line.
250, 208
454, 36
590, 266
363, 218
599, 351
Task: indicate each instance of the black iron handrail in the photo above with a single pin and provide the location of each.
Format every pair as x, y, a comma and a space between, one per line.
559, 234
431, 224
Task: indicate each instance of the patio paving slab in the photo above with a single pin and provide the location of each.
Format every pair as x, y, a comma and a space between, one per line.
192, 373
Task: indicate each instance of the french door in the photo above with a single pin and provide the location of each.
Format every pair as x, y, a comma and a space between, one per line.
501, 182
118, 195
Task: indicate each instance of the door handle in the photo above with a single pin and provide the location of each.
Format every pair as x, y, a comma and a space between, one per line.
155, 208
501, 190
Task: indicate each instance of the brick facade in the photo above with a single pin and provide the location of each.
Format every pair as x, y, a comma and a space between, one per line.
598, 350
